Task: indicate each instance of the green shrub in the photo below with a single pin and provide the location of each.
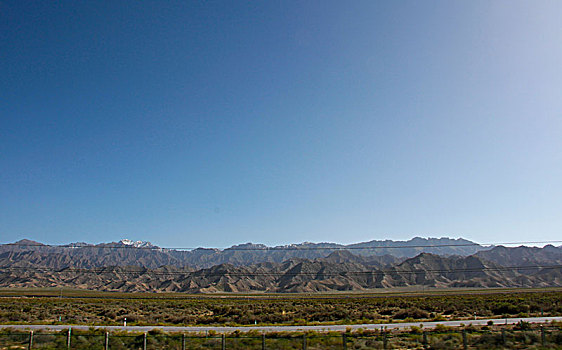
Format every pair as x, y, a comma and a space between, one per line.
414, 313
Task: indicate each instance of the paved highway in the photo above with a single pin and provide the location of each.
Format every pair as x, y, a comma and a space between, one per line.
267, 329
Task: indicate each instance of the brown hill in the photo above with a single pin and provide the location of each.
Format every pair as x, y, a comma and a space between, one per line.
523, 256
340, 271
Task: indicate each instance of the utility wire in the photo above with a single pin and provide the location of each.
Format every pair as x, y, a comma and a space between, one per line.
202, 274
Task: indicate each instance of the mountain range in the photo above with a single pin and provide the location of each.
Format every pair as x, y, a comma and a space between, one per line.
305, 267
83, 255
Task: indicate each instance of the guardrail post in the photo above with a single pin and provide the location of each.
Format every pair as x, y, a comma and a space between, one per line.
464, 341
263, 341
183, 341
543, 336
304, 342
223, 342
68, 336
106, 340
30, 345
344, 340
144, 341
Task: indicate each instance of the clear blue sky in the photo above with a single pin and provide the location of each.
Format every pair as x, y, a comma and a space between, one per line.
200, 123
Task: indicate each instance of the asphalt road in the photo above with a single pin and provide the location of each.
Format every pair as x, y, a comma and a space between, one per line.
267, 329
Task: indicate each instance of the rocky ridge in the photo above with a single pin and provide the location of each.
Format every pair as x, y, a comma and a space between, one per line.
103, 268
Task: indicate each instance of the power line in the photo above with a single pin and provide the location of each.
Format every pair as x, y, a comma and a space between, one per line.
273, 249
200, 274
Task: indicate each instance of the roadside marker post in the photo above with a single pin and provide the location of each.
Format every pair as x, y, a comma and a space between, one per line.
106, 340
263, 341
384, 341
543, 337
68, 336
464, 341
425, 340
223, 342
144, 342
30, 340
304, 341
344, 341
183, 341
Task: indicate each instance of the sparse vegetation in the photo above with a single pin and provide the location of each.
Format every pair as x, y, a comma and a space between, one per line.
262, 309
484, 337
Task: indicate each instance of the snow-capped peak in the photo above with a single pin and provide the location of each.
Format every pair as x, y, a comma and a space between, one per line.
136, 244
